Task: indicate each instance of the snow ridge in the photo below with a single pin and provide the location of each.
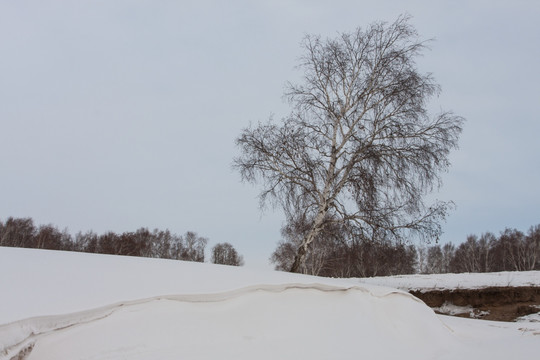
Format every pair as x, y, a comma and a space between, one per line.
19, 336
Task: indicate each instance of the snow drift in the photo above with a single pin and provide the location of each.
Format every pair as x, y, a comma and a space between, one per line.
263, 322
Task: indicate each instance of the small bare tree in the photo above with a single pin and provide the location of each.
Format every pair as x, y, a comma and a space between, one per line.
434, 263
448, 253
359, 146
193, 247
226, 254
532, 243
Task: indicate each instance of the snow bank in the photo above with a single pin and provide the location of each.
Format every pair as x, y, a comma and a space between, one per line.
264, 322
456, 281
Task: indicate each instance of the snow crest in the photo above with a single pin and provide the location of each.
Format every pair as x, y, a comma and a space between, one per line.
22, 335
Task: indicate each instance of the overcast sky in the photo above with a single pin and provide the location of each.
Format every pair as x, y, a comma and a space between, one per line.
116, 115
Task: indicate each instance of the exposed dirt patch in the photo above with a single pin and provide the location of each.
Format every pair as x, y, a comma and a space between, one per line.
500, 303
23, 354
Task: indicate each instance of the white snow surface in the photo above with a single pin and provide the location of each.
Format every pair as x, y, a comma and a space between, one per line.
84, 306
530, 318
457, 281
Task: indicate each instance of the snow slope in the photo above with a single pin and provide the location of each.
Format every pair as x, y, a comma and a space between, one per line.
43, 282
106, 307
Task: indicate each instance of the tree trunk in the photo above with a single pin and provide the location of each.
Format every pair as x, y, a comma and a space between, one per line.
300, 257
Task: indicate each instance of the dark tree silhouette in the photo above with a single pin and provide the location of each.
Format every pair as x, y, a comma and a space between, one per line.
226, 254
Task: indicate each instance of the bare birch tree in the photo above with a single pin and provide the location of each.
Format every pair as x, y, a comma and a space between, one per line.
359, 146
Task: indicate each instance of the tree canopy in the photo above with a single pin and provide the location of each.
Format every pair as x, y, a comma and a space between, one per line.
359, 147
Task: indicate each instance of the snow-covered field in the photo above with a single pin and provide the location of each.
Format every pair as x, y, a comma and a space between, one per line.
84, 306
457, 281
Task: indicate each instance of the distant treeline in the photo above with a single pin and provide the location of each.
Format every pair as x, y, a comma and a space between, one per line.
345, 260
334, 255
512, 250
21, 232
